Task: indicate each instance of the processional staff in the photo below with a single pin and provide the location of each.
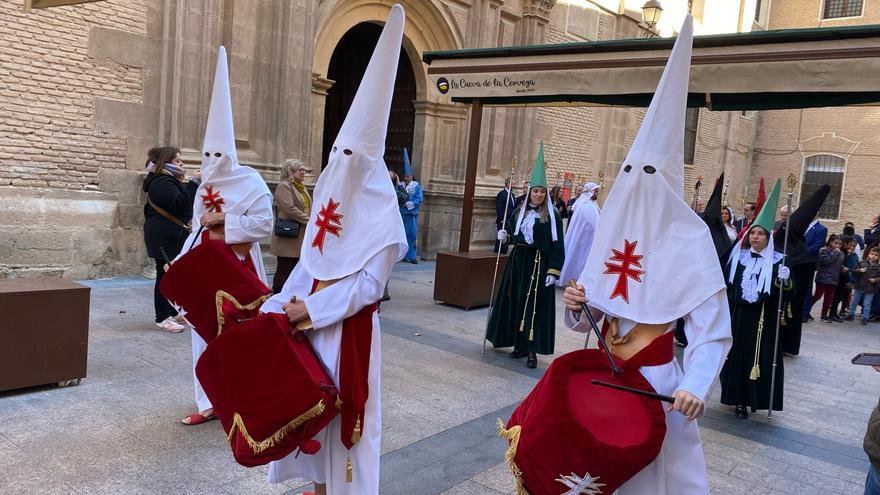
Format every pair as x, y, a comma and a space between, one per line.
791, 181
513, 164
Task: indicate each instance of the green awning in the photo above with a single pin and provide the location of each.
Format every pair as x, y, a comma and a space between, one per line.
795, 68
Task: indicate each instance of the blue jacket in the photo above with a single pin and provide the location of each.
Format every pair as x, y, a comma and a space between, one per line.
815, 239
504, 196
414, 194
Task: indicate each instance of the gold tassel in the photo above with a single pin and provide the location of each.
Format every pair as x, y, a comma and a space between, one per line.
348, 476
512, 436
756, 370
260, 446
356, 433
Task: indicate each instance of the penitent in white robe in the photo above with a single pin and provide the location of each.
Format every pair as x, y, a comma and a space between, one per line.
680, 468
254, 226
579, 239
327, 309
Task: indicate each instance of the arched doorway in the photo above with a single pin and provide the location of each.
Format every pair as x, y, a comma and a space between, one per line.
347, 66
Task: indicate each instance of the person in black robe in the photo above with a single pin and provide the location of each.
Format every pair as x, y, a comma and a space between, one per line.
748, 370
802, 265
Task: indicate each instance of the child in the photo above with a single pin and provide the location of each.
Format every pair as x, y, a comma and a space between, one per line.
867, 280
828, 275
847, 278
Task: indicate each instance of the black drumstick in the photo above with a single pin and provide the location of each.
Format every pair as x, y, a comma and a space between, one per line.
599, 336
652, 395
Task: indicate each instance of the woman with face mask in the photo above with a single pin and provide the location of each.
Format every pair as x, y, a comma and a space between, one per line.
167, 216
524, 311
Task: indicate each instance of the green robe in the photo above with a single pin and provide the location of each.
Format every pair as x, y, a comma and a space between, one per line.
737, 385
522, 316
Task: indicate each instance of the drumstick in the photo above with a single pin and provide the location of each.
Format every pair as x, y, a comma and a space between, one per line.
586, 310
652, 395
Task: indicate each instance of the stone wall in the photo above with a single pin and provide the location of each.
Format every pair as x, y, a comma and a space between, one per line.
66, 204
785, 139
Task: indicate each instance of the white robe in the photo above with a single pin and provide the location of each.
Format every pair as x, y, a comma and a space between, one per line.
578, 239
680, 468
327, 309
254, 226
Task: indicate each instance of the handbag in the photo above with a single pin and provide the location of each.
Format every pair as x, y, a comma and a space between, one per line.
285, 227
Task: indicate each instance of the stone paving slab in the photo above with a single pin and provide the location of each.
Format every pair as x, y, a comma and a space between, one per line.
119, 431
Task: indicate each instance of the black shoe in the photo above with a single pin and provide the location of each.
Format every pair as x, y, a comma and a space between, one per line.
849, 318
835, 319
806, 319
863, 322
414, 262
518, 354
741, 412
825, 319
532, 361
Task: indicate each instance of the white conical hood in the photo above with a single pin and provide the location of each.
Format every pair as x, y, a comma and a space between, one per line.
355, 213
219, 133
226, 186
653, 259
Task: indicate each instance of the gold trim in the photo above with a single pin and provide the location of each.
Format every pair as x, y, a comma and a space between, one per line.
556, 273
238, 424
222, 294
512, 436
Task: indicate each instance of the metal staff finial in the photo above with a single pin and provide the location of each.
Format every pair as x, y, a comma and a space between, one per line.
513, 163
791, 181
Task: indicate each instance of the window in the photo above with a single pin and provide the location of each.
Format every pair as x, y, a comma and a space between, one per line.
691, 122
825, 169
758, 11
842, 8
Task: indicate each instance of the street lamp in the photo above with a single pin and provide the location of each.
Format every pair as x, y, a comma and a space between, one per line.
651, 11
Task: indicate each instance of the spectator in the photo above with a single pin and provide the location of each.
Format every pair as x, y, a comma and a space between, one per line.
557, 201
850, 230
867, 279
814, 240
167, 222
871, 445
845, 284
748, 217
292, 203
727, 218
524, 195
578, 189
828, 275
505, 202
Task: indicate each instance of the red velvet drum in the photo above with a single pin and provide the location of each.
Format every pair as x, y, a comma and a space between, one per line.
209, 282
269, 389
567, 425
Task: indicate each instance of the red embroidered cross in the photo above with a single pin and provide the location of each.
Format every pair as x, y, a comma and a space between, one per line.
624, 270
326, 218
212, 200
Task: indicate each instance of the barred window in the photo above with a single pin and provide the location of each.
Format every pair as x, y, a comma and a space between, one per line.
825, 169
691, 122
842, 8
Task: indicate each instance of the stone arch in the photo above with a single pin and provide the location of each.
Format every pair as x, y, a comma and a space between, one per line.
428, 27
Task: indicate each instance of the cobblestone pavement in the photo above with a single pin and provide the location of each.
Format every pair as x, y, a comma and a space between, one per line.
119, 430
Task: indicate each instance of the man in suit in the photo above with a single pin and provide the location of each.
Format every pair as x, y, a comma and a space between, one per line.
815, 239
578, 189
524, 195
505, 200
748, 217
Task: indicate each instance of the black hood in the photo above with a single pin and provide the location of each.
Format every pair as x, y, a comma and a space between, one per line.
712, 216
798, 223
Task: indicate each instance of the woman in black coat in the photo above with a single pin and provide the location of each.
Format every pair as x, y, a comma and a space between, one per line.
167, 216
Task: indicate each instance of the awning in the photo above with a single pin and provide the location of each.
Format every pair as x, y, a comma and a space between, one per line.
762, 70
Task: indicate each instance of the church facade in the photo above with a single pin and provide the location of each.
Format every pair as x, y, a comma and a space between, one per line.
88, 89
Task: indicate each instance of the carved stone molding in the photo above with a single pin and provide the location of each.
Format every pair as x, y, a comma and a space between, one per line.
538, 8
320, 85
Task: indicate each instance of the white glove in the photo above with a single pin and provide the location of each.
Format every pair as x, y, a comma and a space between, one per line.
410, 205
502, 235
551, 279
784, 274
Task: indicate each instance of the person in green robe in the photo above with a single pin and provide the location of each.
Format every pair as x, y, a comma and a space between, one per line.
524, 310
755, 276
